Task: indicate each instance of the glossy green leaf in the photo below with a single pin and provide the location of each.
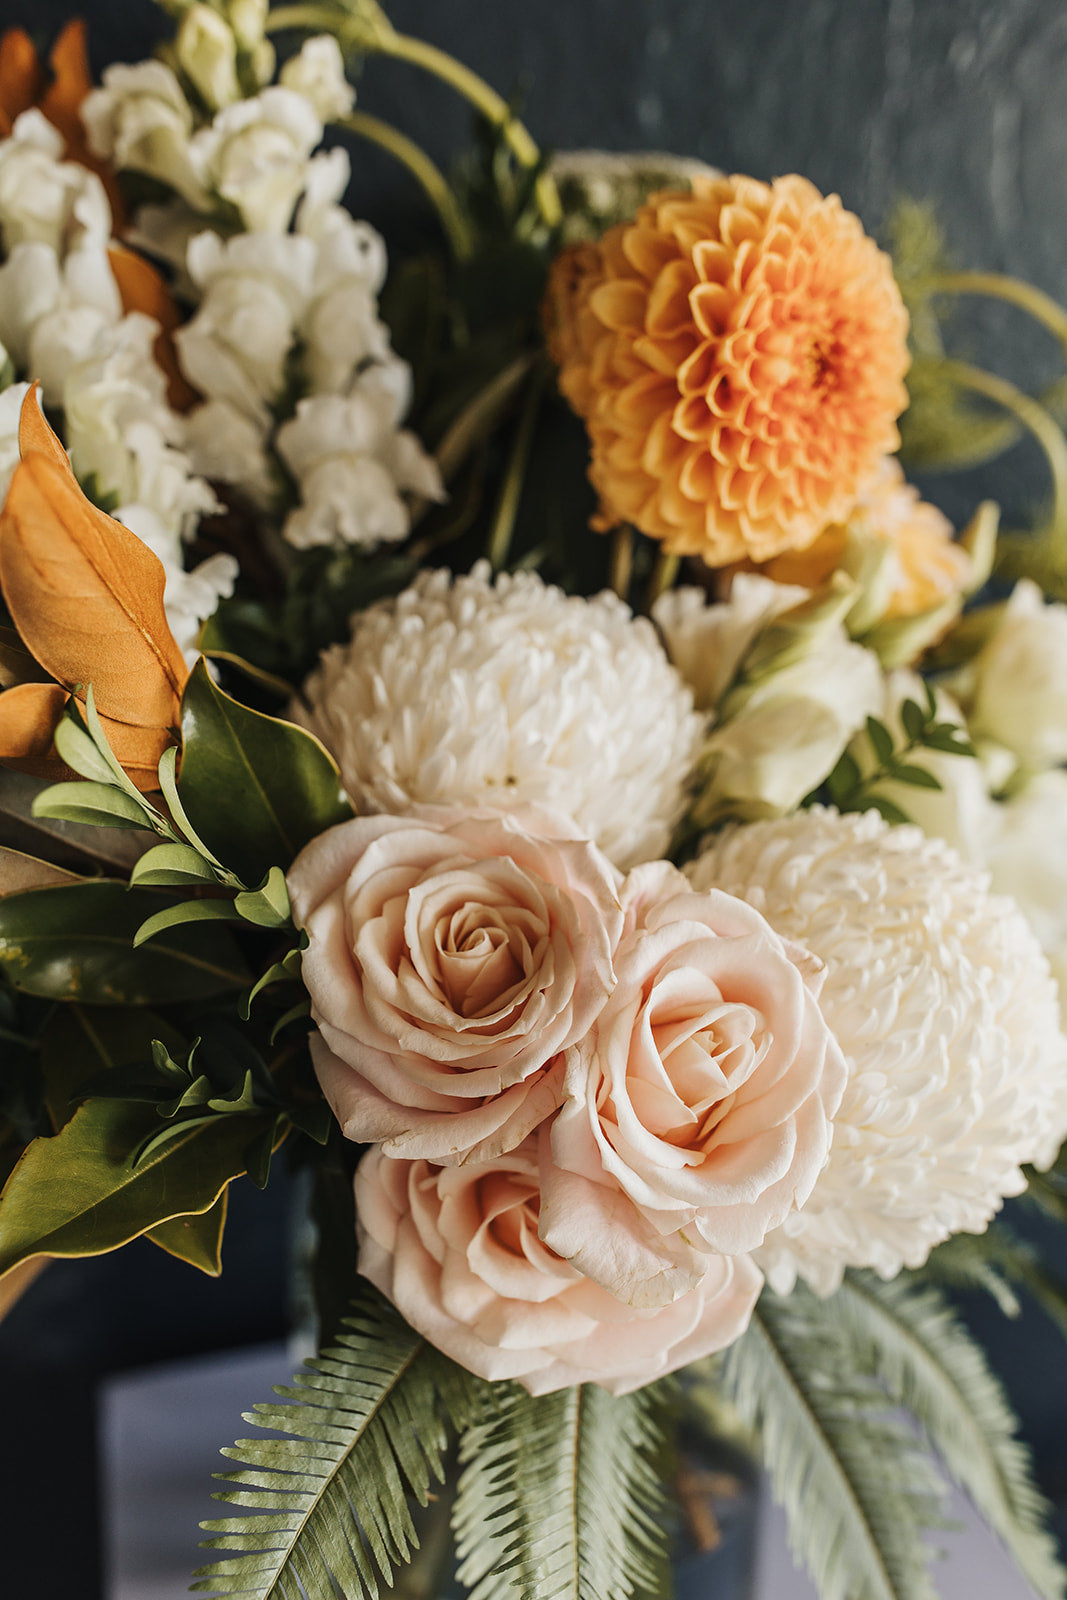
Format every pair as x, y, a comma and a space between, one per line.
96, 804
75, 942
173, 864
185, 912
255, 788
79, 1194
196, 1238
82, 1044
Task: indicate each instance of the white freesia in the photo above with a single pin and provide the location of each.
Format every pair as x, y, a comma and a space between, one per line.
707, 642
1015, 690
224, 443
472, 692
255, 288
256, 154
207, 53
318, 73
140, 120
942, 1001
44, 199
353, 467
1027, 858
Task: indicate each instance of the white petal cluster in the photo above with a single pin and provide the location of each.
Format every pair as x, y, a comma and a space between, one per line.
61, 321
318, 73
472, 692
943, 1004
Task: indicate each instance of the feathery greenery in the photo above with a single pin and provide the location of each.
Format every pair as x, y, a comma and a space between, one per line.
560, 1498
929, 1364
857, 1490
367, 1426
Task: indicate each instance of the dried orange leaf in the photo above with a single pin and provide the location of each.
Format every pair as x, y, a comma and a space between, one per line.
20, 77
142, 288
35, 434
29, 714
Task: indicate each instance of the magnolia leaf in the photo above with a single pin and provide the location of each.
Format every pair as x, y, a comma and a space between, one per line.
78, 1193
173, 864
99, 805
196, 1238
81, 1045
16, 663
19, 872
30, 713
186, 911
75, 942
288, 786
14, 1286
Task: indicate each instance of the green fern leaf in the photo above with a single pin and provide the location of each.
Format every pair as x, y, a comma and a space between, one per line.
930, 1364
367, 1426
560, 1498
857, 1491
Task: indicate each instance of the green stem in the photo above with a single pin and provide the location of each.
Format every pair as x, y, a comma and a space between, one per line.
664, 574
998, 286
418, 163
503, 527
1034, 417
622, 560
376, 36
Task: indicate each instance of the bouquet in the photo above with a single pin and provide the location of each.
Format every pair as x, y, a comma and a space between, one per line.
499, 729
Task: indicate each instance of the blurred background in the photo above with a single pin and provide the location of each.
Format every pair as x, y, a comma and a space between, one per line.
956, 102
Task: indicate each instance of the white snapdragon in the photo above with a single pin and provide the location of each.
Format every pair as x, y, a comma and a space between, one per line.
353, 466
1027, 858
140, 120
318, 73
256, 155
226, 444
255, 288
707, 642
207, 52
342, 330
11, 400
188, 597
53, 311
44, 199
1015, 690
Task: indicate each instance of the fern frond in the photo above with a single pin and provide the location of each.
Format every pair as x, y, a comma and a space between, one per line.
929, 1363
559, 1497
857, 1491
367, 1425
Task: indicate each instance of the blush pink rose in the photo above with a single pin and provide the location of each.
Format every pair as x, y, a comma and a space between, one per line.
698, 1108
456, 1250
452, 956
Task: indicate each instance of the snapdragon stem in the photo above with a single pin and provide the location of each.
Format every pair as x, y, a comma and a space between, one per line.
418, 163
621, 566
377, 37
998, 286
503, 527
1034, 417
664, 574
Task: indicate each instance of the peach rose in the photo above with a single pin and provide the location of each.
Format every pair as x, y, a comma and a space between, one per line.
453, 955
456, 1250
698, 1107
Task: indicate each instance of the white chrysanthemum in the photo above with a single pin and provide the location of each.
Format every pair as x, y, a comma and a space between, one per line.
942, 1002
465, 691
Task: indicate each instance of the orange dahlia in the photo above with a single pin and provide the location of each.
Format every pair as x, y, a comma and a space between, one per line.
738, 355
927, 568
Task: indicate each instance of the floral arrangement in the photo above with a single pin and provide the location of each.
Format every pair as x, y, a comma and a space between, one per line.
627, 891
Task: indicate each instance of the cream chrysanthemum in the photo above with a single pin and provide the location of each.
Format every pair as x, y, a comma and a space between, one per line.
465, 691
942, 1002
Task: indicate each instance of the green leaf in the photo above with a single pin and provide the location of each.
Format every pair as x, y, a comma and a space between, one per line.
856, 1490
888, 809
169, 784
196, 1238
268, 906
911, 715
186, 911
78, 1193
75, 942
256, 788
367, 1425
918, 777
172, 864
844, 779
881, 740
83, 1043
99, 805
559, 1497
928, 1363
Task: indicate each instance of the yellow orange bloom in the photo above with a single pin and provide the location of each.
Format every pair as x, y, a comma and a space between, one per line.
927, 567
738, 355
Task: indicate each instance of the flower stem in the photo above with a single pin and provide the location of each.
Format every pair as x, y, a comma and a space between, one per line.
622, 560
1032, 414
503, 527
664, 574
999, 286
418, 163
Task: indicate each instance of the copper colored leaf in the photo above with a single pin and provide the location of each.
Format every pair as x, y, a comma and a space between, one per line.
20, 77
35, 434
87, 597
142, 288
29, 715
